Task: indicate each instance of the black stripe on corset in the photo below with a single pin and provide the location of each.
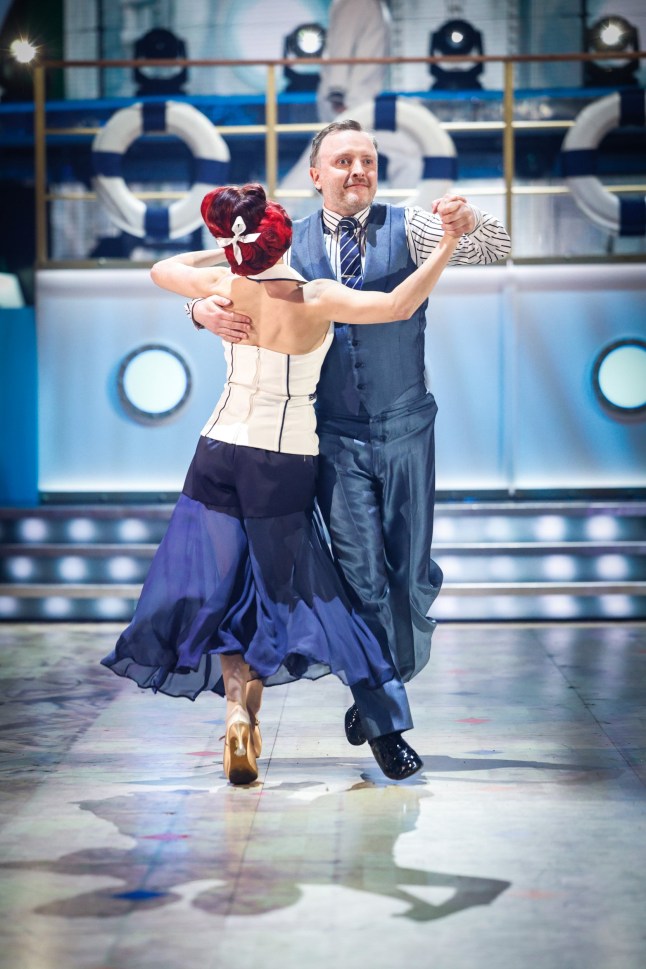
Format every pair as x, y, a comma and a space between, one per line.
288, 395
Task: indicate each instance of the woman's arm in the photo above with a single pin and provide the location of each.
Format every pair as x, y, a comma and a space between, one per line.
344, 305
190, 274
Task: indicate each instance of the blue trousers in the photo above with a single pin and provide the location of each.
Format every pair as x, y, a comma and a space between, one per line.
376, 492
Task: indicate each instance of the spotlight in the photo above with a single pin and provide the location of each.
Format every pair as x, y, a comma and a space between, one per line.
452, 38
23, 51
154, 45
307, 40
610, 35
16, 80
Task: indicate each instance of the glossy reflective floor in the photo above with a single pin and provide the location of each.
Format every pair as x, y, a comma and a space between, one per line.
522, 843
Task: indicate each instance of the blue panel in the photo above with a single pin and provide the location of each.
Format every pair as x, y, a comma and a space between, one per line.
154, 117
108, 163
386, 113
632, 105
581, 161
18, 408
436, 167
157, 222
632, 217
211, 172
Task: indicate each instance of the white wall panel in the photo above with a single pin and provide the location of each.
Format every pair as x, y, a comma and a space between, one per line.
510, 354
88, 320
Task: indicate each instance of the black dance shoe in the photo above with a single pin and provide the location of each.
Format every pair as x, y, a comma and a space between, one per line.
353, 728
396, 758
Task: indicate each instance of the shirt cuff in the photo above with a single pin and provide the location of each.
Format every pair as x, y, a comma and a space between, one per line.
477, 215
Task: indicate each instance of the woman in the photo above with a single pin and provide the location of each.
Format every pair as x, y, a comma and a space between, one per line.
242, 590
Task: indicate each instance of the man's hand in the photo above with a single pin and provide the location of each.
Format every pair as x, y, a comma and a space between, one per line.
456, 214
227, 324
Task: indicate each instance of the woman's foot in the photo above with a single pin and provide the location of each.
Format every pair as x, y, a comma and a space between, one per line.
239, 755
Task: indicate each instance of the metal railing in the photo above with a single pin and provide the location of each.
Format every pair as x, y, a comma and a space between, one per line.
272, 129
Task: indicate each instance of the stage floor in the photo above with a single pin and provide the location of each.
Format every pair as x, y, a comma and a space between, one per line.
522, 842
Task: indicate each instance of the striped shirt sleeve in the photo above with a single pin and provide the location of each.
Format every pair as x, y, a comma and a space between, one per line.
489, 241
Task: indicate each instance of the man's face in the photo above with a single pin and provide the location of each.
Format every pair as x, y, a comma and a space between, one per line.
346, 171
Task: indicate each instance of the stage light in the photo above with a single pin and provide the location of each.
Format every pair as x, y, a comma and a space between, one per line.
16, 79
612, 34
550, 528
122, 568
56, 607
81, 530
72, 568
23, 51
306, 40
8, 606
619, 377
20, 568
452, 38
160, 44
33, 530
132, 530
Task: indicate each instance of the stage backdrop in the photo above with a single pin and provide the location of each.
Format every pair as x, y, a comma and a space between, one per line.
511, 353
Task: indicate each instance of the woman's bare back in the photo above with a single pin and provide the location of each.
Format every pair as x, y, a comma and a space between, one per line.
282, 319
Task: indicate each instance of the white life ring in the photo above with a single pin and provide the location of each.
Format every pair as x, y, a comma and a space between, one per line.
211, 165
436, 147
621, 216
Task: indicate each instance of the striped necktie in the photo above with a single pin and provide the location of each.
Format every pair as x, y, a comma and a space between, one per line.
350, 253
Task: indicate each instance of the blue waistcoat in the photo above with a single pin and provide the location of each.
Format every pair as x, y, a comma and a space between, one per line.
369, 369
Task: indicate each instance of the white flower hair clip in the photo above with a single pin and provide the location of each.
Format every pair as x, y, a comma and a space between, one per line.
238, 228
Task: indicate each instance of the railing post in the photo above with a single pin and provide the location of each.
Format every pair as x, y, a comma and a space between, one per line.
508, 144
40, 166
271, 138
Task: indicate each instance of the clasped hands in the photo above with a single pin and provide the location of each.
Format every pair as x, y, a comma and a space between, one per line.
455, 214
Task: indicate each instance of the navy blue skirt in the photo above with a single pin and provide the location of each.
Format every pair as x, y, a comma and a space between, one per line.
244, 568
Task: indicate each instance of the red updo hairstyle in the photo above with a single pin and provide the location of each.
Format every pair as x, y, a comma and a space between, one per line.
222, 206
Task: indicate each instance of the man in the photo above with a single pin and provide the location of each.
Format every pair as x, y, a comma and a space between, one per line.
360, 29
375, 415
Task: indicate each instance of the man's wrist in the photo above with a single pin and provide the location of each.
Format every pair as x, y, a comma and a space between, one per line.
189, 308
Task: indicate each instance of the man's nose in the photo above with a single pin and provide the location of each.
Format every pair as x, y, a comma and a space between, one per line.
357, 167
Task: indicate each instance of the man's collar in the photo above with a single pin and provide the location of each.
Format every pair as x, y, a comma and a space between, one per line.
331, 219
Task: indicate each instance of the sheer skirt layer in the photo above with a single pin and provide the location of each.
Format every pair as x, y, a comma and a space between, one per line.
264, 587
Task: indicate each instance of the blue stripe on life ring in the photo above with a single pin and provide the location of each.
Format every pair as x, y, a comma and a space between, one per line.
440, 167
108, 163
579, 161
210, 171
157, 222
386, 113
632, 108
632, 217
153, 116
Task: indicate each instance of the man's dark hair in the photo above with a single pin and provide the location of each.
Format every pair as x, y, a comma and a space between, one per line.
348, 125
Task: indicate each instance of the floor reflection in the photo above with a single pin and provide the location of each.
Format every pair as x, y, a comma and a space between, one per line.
258, 847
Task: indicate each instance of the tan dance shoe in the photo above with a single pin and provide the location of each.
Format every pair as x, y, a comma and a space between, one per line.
239, 755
